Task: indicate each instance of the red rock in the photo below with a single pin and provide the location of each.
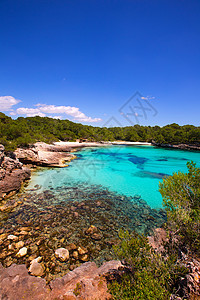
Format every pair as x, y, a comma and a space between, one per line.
12, 174
84, 282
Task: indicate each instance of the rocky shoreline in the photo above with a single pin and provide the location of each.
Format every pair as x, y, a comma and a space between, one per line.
85, 282
12, 174
42, 154
46, 244
178, 146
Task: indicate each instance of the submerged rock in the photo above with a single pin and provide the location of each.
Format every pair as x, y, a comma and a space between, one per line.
22, 252
20, 244
12, 237
62, 253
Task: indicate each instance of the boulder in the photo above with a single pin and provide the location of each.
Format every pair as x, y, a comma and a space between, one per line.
43, 154
16, 283
84, 282
12, 174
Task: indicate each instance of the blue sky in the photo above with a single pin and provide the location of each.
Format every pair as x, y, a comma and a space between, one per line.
83, 60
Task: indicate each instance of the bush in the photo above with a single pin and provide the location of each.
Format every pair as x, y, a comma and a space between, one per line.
150, 276
181, 198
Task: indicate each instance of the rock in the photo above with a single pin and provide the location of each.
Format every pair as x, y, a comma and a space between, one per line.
23, 232
45, 155
16, 283
82, 250
91, 230
75, 254
96, 236
22, 252
36, 268
20, 244
72, 246
33, 248
76, 214
62, 253
157, 240
12, 237
11, 247
3, 236
84, 257
84, 282
12, 174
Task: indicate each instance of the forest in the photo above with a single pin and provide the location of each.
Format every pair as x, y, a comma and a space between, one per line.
23, 132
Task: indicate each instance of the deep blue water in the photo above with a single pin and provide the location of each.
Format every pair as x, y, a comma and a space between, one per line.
127, 170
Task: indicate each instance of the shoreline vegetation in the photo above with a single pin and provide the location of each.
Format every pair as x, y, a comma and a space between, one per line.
24, 132
164, 266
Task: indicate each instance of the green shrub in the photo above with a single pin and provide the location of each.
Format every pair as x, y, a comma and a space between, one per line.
150, 275
181, 198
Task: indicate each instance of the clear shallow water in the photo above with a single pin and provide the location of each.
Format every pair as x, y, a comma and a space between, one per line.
127, 170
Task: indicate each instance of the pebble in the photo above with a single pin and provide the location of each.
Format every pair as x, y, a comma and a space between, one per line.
75, 254
92, 229
82, 250
20, 244
3, 236
11, 247
62, 253
12, 237
84, 258
22, 252
72, 246
36, 268
96, 236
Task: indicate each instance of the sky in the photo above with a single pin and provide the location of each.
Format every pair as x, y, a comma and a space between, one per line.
101, 62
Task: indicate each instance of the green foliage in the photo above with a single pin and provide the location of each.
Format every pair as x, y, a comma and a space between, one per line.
150, 276
181, 198
21, 132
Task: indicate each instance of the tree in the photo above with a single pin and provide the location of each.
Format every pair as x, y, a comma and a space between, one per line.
181, 198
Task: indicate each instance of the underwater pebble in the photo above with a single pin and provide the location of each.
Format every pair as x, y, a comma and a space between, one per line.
84, 258
12, 237
82, 250
20, 244
62, 253
22, 252
75, 254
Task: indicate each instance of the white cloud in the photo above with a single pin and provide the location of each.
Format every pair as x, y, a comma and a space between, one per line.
44, 110
148, 98
30, 112
68, 110
56, 117
6, 103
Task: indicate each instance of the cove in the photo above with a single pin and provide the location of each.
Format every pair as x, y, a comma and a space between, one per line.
126, 170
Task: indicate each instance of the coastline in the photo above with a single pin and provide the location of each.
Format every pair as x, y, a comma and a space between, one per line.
99, 144
178, 146
41, 257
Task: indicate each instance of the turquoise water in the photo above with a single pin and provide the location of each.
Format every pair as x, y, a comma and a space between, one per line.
127, 170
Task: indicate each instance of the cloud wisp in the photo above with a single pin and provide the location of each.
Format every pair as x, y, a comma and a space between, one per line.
7, 102
45, 110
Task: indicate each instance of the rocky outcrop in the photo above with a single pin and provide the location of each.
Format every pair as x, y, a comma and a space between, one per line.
178, 146
43, 154
12, 173
85, 282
